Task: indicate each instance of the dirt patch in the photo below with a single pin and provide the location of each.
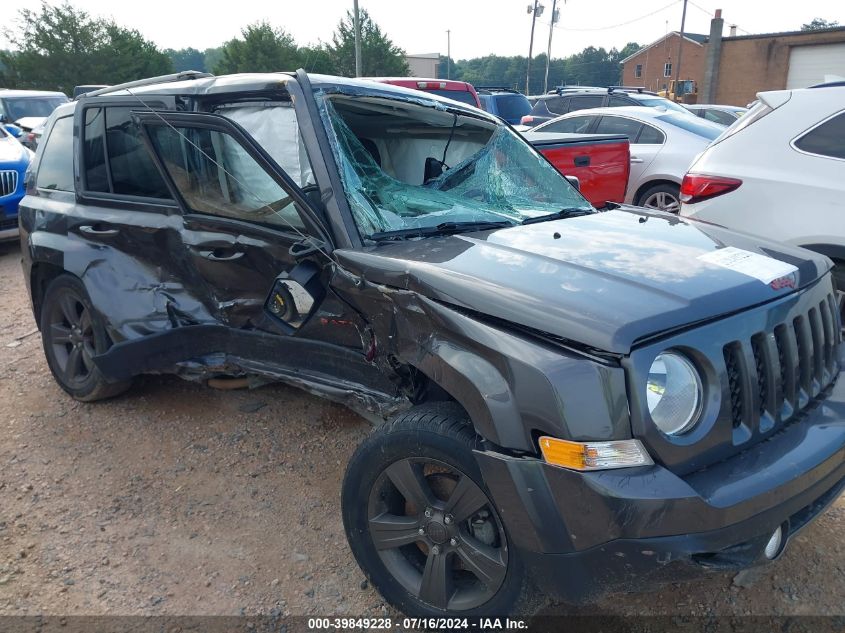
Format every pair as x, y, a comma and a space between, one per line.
178, 499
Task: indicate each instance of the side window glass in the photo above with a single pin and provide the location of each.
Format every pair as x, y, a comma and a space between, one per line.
573, 125
56, 168
616, 101
94, 152
650, 136
619, 125
133, 172
275, 129
216, 175
828, 139
557, 105
718, 117
582, 102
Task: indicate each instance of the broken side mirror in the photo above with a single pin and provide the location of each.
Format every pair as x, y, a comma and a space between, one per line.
573, 180
295, 295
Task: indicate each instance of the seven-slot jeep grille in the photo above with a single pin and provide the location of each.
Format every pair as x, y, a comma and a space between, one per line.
775, 374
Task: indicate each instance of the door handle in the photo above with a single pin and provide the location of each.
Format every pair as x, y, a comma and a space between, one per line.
582, 161
97, 230
636, 159
222, 255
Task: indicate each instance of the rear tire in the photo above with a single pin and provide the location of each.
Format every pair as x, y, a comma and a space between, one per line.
420, 521
72, 333
664, 197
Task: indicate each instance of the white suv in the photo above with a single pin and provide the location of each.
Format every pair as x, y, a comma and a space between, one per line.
779, 172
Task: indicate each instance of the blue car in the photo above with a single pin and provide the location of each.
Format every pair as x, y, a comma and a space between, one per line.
14, 159
504, 103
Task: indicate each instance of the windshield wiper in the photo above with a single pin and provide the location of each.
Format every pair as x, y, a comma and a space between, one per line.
444, 228
569, 212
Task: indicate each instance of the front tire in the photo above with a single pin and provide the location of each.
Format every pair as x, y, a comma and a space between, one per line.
664, 197
72, 333
421, 523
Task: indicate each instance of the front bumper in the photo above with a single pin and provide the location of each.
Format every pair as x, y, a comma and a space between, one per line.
609, 529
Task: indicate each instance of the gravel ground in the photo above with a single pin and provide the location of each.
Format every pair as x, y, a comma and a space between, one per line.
177, 499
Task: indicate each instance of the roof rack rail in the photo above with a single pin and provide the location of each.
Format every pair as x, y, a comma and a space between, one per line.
161, 79
626, 88
505, 88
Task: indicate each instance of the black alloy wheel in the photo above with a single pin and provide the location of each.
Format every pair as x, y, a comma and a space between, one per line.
422, 524
437, 535
72, 335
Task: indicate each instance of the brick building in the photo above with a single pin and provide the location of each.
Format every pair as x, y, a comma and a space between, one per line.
655, 65
732, 70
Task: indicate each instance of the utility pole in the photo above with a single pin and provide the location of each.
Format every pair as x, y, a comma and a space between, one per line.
555, 17
535, 11
680, 51
357, 40
448, 53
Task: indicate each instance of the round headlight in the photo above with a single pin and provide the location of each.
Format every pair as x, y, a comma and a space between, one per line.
673, 393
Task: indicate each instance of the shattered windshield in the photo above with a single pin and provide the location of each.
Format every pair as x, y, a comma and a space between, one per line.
415, 165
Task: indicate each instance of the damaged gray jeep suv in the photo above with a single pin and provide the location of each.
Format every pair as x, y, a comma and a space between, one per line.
583, 400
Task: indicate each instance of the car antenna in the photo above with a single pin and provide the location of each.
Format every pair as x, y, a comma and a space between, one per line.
307, 238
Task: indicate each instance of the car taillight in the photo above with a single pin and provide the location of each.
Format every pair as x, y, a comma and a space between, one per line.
526, 120
698, 187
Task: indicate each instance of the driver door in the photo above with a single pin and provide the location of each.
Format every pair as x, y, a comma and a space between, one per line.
245, 221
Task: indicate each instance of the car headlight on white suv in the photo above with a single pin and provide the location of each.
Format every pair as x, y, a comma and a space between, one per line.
674, 393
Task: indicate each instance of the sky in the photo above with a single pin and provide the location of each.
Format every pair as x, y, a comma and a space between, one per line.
477, 27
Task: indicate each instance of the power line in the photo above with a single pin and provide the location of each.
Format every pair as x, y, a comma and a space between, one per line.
710, 13
616, 26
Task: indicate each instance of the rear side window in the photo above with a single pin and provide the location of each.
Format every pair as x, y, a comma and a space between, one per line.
720, 117
582, 102
571, 125
616, 101
619, 125
116, 160
827, 139
650, 136
557, 105
56, 168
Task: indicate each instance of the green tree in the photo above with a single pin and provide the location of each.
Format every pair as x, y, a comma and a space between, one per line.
260, 49
379, 55
212, 57
186, 59
818, 23
59, 47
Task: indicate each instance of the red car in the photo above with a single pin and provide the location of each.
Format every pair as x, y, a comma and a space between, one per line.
601, 162
457, 90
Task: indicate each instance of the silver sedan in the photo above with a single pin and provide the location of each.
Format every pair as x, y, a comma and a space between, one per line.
663, 145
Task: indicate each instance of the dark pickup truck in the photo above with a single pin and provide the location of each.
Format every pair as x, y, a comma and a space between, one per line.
601, 162
589, 400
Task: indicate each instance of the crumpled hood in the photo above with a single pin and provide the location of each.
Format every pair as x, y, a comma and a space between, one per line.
604, 280
11, 152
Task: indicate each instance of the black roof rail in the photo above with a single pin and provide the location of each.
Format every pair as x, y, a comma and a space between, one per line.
161, 79
501, 88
